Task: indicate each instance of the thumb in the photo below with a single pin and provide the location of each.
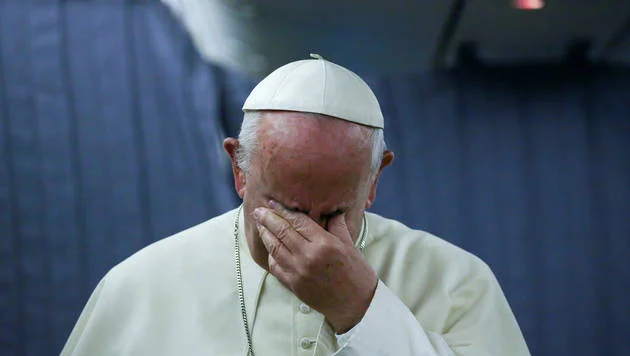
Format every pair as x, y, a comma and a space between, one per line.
337, 226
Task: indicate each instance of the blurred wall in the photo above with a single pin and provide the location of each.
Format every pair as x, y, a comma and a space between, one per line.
110, 139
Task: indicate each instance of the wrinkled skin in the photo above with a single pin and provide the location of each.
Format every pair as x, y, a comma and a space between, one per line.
304, 198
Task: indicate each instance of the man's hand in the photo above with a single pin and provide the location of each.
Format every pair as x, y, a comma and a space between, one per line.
322, 268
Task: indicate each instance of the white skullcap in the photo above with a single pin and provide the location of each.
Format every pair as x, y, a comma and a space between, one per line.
317, 86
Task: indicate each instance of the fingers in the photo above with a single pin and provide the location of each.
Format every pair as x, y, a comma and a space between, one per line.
309, 229
280, 272
279, 260
338, 227
300, 222
276, 249
279, 229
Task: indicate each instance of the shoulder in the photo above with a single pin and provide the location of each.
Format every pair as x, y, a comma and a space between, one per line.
417, 265
190, 254
392, 237
170, 282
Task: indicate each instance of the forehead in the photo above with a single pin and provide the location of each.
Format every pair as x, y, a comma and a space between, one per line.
312, 133
312, 157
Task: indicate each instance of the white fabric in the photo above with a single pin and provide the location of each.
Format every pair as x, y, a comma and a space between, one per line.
389, 319
317, 86
297, 328
179, 297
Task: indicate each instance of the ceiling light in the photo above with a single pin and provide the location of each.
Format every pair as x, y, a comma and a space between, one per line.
528, 4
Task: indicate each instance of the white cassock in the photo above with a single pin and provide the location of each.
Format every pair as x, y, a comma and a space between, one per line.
179, 296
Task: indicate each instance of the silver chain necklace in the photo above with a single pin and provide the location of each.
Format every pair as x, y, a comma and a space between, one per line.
239, 275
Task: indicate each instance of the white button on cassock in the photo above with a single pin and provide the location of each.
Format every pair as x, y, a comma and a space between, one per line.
306, 343
305, 308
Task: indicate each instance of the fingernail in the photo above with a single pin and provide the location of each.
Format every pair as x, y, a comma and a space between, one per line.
272, 204
257, 213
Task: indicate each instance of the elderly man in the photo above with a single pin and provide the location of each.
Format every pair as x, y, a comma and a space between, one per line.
300, 268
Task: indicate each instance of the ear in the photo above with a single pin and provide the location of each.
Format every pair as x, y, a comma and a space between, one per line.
231, 146
388, 157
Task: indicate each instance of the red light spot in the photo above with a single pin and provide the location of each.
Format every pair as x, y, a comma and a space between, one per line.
529, 4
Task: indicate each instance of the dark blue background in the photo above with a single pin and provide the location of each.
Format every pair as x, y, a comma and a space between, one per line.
111, 129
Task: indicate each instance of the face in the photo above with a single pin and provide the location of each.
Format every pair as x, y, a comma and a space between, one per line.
316, 165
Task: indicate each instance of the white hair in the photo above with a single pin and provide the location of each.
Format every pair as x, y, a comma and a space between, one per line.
248, 139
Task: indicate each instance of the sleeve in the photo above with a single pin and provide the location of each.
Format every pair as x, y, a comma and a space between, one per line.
389, 328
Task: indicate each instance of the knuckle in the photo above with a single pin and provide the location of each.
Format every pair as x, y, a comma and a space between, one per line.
273, 249
327, 246
294, 220
300, 225
283, 231
301, 272
307, 266
313, 263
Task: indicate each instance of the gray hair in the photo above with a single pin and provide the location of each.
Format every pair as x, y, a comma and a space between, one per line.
248, 138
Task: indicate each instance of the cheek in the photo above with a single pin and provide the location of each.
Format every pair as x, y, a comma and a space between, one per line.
251, 188
364, 197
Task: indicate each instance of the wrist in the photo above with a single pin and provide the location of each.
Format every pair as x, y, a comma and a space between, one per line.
351, 313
